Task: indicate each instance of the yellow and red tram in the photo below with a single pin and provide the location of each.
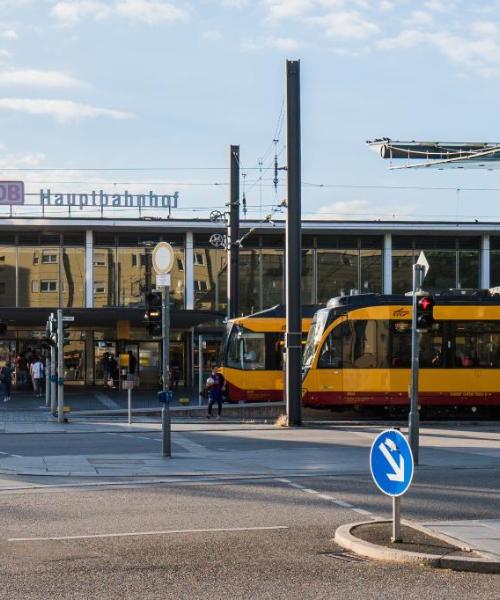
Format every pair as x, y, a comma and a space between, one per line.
358, 352
252, 354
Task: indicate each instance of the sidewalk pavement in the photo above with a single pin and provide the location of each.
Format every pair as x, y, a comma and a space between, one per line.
482, 535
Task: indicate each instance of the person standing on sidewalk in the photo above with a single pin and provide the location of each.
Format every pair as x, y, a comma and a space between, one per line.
37, 375
6, 380
216, 384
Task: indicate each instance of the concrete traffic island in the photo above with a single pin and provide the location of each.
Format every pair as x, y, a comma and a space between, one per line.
419, 547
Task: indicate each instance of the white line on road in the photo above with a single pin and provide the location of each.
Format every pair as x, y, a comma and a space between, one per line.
141, 533
336, 501
106, 400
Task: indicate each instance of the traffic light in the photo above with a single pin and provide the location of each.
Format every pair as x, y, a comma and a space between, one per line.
425, 313
51, 331
153, 313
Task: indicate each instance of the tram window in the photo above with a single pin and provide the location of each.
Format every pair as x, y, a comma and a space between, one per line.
432, 349
246, 350
336, 351
477, 344
371, 341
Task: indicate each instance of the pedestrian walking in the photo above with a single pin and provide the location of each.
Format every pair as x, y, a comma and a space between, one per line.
106, 368
216, 386
132, 364
6, 380
37, 376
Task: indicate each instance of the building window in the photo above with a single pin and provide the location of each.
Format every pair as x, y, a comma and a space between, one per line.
200, 285
198, 259
134, 259
2, 287
99, 287
99, 259
48, 285
49, 258
180, 264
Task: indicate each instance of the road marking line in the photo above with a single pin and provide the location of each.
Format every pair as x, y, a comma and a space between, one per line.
362, 511
336, 501
141, 533
106, 400
188, 444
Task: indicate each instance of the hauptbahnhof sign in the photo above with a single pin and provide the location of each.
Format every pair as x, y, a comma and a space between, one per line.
12, 193
98, 199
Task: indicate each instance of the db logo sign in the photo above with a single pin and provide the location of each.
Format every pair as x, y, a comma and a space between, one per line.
11, 192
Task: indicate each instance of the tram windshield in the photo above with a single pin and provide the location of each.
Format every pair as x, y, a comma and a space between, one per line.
314, 336
246, 349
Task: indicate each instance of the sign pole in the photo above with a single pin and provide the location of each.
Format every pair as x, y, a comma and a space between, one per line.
200, 369
396, 519
53, 380
47, 380
391, 466
413, 417
129, 398
60, 366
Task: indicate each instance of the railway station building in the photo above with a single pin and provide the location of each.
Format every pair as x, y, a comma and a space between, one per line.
98, 269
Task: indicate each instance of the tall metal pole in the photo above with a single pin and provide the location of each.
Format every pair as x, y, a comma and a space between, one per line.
60, 366
53, 380
200, 368
293, 337
47, 380
165, 335
233, 234
413, 417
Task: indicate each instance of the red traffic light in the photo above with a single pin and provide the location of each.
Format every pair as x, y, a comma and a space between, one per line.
426, 303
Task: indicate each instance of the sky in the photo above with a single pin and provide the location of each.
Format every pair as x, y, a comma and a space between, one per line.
150, 94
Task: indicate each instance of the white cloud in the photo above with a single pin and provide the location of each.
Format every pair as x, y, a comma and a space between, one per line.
15, 161
9, 34
479, 55
33, 77
357, 209
439, 6
418, 17
4, 54
280, 43
234, 3
346, 24
150, 11
487, 28
279, 9
70, 12
61, 110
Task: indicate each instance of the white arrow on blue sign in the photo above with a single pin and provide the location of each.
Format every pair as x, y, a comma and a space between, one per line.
391, 463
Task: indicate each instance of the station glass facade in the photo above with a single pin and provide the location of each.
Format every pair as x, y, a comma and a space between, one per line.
111, 267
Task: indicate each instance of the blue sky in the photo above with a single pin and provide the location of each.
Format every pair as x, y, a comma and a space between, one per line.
153, 83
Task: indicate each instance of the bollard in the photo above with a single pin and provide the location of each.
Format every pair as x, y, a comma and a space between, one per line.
165, 430
129, 393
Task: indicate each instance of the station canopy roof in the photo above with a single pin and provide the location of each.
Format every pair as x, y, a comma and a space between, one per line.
438, 155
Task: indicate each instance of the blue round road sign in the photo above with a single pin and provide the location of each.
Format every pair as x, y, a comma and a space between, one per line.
391, 463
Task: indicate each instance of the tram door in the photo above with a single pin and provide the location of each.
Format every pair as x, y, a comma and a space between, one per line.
329, 376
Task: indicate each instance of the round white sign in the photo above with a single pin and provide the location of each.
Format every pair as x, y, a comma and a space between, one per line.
163, 258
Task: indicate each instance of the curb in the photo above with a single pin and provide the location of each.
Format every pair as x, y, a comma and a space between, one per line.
483, 563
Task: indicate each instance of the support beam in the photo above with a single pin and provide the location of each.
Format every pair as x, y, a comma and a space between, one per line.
293, 251
89, 269
233, 234
485, 262
189, 271
388, 263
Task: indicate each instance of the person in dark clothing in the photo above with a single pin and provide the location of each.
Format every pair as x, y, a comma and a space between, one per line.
113, 368
6, 380
216, 385
132, 363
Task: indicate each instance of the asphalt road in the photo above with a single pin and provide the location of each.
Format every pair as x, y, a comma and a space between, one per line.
273, 541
